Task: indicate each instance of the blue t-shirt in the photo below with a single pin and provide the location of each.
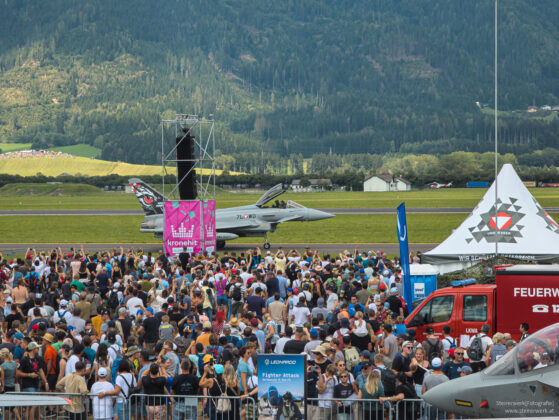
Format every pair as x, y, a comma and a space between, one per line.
18, 353
400, 329
243, 368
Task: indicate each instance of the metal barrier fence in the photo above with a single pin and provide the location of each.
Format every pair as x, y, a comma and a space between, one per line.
357, 409
182, 407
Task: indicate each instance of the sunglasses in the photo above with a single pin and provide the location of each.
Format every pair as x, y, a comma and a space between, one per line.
458, 354
344, 376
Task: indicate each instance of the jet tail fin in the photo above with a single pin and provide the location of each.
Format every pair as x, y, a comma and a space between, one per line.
150, 199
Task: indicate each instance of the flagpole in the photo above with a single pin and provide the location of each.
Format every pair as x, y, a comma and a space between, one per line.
496, 144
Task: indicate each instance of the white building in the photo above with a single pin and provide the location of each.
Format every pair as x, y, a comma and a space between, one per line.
315, 185
386, 183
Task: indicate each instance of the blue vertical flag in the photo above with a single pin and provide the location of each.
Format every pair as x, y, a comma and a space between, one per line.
402, 230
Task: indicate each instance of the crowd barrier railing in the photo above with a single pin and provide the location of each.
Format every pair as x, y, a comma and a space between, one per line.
183, 407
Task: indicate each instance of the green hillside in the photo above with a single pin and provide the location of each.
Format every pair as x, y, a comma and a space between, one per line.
282, 77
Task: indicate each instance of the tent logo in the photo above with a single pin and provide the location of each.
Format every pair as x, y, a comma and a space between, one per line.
501, 221
549, 222
502, 226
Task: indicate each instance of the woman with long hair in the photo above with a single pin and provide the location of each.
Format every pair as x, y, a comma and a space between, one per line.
65, 353
419, 366
83, 272
7, 371
102, 359
372, 390
233, 389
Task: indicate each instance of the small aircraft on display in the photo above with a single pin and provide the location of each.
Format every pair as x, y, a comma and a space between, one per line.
522, 383
436, 185
254, 220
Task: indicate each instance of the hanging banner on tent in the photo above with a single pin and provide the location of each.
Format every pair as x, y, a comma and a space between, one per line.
402, 231
182, 227
208, 212
281, 386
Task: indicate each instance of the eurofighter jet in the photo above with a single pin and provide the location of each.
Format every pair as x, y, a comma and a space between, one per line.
254, 220
522, 383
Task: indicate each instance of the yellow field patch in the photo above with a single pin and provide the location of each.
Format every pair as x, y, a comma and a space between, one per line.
78, 166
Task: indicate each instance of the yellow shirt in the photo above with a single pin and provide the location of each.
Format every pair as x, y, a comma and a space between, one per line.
96, 322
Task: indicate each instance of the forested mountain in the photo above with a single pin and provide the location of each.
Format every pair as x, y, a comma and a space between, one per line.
292, 77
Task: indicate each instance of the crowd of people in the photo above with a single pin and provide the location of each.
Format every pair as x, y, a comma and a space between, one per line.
26, 154
118, 323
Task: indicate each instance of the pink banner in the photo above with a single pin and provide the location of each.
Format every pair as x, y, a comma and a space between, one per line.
182, 227
209, 225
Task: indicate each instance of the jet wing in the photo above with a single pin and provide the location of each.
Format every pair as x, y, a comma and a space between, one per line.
272, 193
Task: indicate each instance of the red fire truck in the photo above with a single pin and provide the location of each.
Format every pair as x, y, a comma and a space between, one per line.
521, 293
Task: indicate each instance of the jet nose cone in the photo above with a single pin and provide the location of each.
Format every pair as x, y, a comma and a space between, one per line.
313, 215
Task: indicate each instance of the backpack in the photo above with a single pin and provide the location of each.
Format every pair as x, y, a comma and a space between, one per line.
351, 356
388, 380
113, 300
452, 343
475, 352
237, 294
344, 290
118, 351
114, 367
433, 349
132, 390
61, 316
310, 284
32, 281
53, 276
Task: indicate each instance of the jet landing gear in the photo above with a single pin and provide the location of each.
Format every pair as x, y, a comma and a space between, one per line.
266, 244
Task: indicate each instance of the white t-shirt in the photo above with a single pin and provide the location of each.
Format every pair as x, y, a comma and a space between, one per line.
133, 305
71, 365
102, 408
44, 313
121, 380
300, 313
331, 301
446, 342
59, 314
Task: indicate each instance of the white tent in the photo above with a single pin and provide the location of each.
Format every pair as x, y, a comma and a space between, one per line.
523, 228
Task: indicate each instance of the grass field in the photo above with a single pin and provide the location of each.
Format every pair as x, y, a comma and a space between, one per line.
455, 197
12, 147
350, 229
74, 166
83, 150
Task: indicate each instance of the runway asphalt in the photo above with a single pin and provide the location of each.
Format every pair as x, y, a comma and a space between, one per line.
330, 248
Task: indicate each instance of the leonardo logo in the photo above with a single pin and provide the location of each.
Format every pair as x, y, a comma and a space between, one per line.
502, 226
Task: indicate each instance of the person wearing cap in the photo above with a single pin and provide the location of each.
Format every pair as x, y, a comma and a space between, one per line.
149, 330
50, 356
102, 407
31, 370
321, 358
62, 313
436, 377
320, 309
402, 361
313, 344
